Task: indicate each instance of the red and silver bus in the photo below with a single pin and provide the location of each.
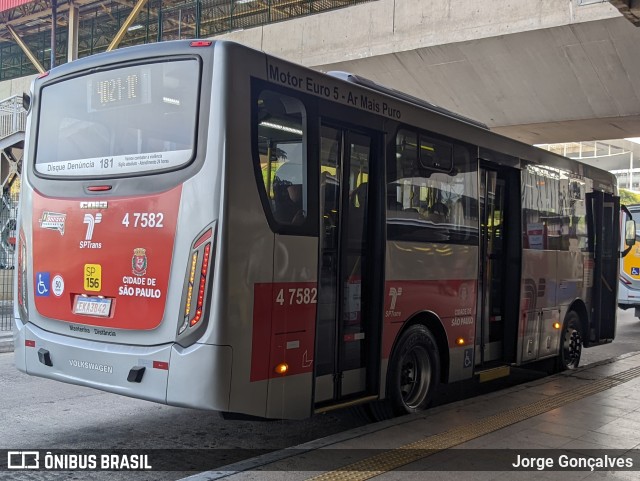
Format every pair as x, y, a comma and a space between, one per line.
205, 225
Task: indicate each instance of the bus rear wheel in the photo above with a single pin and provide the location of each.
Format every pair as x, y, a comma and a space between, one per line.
570, 342
414, 371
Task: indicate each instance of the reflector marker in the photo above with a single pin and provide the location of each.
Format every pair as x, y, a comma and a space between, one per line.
203, 238
161, 365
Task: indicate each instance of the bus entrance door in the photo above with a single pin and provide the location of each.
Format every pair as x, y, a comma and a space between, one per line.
342, 333
603, 224
490, 329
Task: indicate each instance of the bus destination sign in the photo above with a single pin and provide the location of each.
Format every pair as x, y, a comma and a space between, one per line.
122, 87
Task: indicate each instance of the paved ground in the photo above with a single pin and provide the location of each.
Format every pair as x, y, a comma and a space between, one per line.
570, 422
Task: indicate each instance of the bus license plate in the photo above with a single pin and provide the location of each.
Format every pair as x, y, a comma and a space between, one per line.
92, 306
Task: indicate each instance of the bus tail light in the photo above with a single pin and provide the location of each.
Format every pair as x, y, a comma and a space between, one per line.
201, 43
195, 290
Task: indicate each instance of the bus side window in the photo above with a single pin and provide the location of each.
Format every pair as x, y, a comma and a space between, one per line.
282, 155
431, 187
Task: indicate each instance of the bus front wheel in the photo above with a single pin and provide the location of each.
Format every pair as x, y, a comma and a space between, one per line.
570, 342
414, 371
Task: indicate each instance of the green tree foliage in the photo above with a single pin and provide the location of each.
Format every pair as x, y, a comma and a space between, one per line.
629, 198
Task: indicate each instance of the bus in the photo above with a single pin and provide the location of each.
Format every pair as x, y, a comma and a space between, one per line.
629, 285
208, 226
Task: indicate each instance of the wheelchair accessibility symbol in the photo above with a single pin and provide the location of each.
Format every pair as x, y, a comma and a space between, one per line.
468, 358
43, 284
635, 271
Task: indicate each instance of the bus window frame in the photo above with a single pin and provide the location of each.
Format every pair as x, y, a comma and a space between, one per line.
310, 227
37, 110
472, 239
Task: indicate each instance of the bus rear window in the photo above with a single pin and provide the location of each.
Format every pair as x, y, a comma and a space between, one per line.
128, 120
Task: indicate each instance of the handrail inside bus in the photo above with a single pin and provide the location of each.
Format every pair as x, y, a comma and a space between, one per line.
365, 82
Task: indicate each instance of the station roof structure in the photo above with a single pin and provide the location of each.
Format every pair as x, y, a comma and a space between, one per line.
86, 27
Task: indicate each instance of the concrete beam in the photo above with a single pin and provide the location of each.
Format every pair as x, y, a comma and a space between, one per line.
27, 51
541, 71
127, 23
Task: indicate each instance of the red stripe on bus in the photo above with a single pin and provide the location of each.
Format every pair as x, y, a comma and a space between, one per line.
286, 313
283, 313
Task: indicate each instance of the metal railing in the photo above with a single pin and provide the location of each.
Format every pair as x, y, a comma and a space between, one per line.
13, 117
12, 120
8, 210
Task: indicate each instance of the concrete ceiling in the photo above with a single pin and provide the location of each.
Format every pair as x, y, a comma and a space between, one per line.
567, 83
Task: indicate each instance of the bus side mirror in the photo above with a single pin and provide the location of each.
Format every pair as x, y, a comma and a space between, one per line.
26, 101
630, 233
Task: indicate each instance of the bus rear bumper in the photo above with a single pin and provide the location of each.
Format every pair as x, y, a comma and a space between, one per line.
172, 375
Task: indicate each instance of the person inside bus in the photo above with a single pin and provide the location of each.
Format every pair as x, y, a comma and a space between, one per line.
288, 202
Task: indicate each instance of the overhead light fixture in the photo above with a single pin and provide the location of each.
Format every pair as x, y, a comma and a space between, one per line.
135, 27
284, 128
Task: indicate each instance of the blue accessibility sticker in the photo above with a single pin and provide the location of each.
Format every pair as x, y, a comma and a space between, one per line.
635, 271
43, 284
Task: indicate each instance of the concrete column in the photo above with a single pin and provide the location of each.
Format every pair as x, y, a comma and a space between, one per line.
74, 19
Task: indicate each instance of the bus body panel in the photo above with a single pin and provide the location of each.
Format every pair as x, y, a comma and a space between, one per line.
293, 323
186, 386
247, 242
538, 306
97, 364
190, 222
571, 281
116, 250
439, 278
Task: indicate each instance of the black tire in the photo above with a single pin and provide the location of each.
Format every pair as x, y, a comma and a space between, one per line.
414, 371
570, 342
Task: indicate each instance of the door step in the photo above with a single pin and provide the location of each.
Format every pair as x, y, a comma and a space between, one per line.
353, 402
493, 373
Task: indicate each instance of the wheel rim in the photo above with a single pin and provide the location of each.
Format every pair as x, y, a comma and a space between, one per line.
572, 348
415, 377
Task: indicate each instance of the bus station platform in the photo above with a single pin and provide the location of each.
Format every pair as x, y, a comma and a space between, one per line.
579, 424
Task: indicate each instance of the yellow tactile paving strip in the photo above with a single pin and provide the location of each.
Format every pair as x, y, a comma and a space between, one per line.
395, 458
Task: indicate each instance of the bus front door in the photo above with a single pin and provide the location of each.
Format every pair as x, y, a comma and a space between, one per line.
343, 335
603, 224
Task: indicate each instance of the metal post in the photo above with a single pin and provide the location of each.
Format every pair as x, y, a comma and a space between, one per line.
631, 170
54, 21
72, 33
159, 39
198, 18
